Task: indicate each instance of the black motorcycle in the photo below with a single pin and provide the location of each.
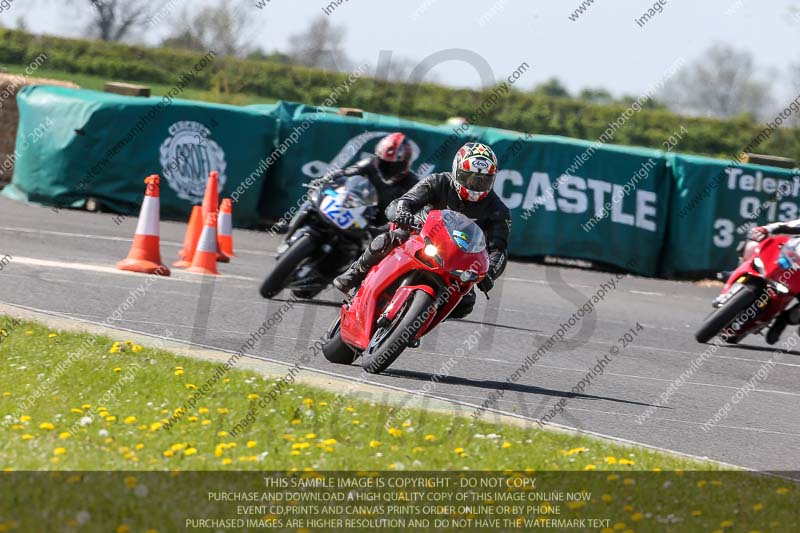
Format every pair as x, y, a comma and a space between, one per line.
326, 235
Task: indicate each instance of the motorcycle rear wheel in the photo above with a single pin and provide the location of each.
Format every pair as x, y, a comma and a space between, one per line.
389, 341
723, 316
287, 265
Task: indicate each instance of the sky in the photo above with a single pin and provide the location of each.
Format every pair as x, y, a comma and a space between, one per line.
604, 47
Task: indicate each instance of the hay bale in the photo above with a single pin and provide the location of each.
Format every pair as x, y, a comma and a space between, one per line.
10, 85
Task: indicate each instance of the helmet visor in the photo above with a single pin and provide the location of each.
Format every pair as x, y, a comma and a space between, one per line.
392, 169
474, 181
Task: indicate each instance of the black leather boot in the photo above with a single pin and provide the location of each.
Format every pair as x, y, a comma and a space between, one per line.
352, 277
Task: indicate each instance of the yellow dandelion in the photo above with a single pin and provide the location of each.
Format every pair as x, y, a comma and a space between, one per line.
395, 432
506, 445
590, 467
223, 410
322, 404
311, 435
17, 426
227, 461
430, 438
726, 523
356, 422
300, 445
758, 507
251, 444
329, 442
27, 436
608, 498
64, 435
6, 394
205, 422
202, 410
168, 453
59, 451
179, 446
179, 372
611, 460
190, 451
308, 401
139, 446
222, 434
294, 452
193, 419
76, 410
782, 490
111, 418
374, 443
155, 426
349, 409
86, 406
130, 482
637, 516
137, 348
459, 450
130, 420
697, 512
253, 396
573, 451
123, 528
53, 335
295, 422
29, 332
25, 418
190, 386
46, 425
619, 526
624, 461
287, 436
417, 449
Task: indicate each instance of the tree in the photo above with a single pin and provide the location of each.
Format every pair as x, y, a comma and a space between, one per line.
114, 20
319, 46
552, 87
223, 28
722, 83
596, 95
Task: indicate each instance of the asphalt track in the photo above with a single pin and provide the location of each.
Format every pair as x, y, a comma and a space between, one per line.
62, 263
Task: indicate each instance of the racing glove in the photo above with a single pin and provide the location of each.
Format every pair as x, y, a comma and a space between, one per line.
758, 234
403, 216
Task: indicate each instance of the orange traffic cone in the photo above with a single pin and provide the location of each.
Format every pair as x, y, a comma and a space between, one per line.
145, 254
193, 231
211, 197
225, 228
211, 204
205, 256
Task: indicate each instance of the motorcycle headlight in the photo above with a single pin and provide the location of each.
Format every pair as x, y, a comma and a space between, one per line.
431, 250
759, 264
466, 275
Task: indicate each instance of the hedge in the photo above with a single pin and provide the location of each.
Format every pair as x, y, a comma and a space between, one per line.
517, 110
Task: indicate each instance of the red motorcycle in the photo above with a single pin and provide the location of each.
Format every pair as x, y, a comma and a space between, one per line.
410, 292
757, 292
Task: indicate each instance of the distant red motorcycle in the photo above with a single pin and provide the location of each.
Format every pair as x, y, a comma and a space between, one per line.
410, 292
759, 290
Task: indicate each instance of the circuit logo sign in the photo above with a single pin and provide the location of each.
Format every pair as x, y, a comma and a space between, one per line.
187, 156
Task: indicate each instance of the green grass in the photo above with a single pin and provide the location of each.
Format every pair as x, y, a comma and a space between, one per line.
153, 384
97, 83
307, 429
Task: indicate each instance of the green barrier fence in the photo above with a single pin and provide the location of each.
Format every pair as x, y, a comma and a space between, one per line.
638, 209
714, 204
574, 199
74, 144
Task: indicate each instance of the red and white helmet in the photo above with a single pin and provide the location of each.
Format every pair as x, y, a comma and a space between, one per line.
474, 170
394, 157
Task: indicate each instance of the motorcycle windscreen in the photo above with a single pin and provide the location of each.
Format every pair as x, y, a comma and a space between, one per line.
464, 232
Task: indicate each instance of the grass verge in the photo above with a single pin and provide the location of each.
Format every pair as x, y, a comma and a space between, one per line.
109, 410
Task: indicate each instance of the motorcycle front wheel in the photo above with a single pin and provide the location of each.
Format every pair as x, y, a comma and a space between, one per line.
286, 265
723, 316
389, 341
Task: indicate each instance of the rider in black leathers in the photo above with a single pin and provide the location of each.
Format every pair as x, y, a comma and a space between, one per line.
389, 170
468, 190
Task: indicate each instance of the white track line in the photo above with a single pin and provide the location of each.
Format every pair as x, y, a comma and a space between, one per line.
111, 238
